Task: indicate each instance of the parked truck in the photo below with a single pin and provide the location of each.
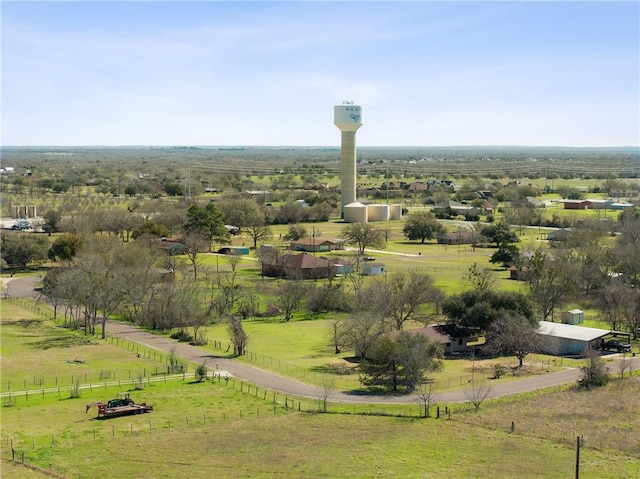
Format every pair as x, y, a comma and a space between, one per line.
123, 405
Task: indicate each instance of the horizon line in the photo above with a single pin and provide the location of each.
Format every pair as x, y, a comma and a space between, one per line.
337, 147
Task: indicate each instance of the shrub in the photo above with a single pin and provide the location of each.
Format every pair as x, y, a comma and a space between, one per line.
182, 336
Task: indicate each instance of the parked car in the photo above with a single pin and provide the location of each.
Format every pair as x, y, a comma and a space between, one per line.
615, 345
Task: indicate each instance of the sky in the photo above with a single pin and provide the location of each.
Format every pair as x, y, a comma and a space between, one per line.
268, 73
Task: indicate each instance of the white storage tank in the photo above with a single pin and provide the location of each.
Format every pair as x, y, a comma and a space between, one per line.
355, 213
378, 212
395, 211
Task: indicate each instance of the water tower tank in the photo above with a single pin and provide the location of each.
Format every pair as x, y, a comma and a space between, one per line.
355, 213
347, 117
395, 211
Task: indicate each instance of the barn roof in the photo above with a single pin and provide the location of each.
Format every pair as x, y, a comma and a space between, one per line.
570, 331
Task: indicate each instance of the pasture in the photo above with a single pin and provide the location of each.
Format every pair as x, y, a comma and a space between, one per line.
228, 429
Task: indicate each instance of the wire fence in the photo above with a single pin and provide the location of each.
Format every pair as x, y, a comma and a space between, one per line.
350, 381
28, 450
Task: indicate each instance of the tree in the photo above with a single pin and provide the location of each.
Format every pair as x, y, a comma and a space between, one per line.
611, 303
477, 310
364, 235
51, 221
295, 233
290, 296
226, 291
103, 289
20, 249
328, 389
550, 279
500, 234
239, 337
476, 392
361, 330
595, 373
403, 361
421, 226
248, 216
402, 296
208, 222
506, 255
503, 237
50, 288
480, 279
196, 242
150, 229
627, 246
65, 247
514, 335
426, 395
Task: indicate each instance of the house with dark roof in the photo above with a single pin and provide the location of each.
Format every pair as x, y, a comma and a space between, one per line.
454, 340
297, 266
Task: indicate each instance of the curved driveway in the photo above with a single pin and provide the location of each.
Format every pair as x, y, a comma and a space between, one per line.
270, 380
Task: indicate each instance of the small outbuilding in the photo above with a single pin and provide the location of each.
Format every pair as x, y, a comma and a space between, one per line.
575, 316
373, 269
568, 339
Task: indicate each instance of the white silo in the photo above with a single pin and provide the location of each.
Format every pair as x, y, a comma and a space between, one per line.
348, 118
377, 212
395, 211
355, 213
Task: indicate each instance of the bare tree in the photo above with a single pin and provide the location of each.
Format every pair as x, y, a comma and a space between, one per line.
195, 243
402, 297
611, 302
426, 396
363, 235
239, 337
290, 296
361, 330
550, 280
476, 392
479, 278
514, 335
625, 364
328, 389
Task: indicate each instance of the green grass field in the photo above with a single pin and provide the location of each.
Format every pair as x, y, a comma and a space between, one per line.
235, 430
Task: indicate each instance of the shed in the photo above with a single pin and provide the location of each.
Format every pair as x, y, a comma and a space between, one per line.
575, 204
575, 316
373, 269
561, 339
316, 243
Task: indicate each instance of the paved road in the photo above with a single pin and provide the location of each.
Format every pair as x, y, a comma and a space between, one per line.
271, 380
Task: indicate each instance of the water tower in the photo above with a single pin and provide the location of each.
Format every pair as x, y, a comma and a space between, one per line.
348, 118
